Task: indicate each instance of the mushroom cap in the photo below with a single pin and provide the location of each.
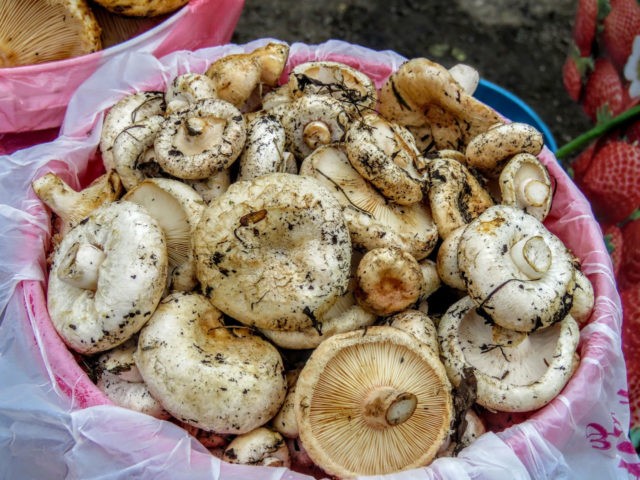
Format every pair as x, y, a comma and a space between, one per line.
272, 59
37, 31
520, 275
515, 372
186, 89
201, 140
141, 8
447, 260
261, 446
583, 298
373, 221
217, 378
274, 252
235, 77
418, 324
354, 431
130, 278
264, 149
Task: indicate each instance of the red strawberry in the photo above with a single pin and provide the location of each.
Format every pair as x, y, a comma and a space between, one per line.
580, 164
630, 267
612, 182
604, 91
585, 25
621, 26
632, 132
615, 246
571, 78
631, 346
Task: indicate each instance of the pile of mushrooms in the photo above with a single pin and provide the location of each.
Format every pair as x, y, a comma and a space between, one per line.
259, 260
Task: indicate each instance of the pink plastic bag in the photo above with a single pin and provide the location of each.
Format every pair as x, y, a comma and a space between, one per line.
35, 97
580, 434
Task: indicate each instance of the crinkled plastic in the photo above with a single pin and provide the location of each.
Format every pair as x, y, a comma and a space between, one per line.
34, 97
55, 423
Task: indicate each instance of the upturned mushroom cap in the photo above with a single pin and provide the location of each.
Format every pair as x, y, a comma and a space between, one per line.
525, 183
264, 149
373, 221
107, 277
455, 195
129, 110
218, 378
47, 30
141, 8
201, 140
186, 89
386, 157
520, 275
261, 446
395, 414
274, 252
515, 372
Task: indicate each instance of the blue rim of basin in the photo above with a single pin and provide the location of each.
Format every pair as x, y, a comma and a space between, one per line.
513, 108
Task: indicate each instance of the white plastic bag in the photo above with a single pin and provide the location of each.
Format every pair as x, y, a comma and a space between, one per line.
53, 423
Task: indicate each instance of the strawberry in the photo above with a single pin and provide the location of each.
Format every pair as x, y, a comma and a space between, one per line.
585, 25
604, 92
615, 246
580, 164
630, 266
631, 346
612, 182
620, 27
574, 72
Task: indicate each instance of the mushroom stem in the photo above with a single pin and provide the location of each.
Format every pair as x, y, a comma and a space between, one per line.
532, 256
316, 133
386, 407
533, 192
79, 267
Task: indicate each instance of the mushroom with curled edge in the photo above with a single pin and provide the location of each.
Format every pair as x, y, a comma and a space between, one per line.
515, 371
353, 88
467, 76
418, 324
455, 195
373, 221
447, 260
583, 298
177, 208
261, 446
420, 88
285, 422
129, 110
197, 142
107, 277
186, 89
71, 206
521, 276
489, 151
388, 280
217, 378
525, 183
396, 412
120, 380
274, 252
386, 155
314, 120
141, 8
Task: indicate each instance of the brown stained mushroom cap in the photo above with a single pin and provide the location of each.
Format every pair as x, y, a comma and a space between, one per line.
37, 31
141, 8
261, 446
394, 415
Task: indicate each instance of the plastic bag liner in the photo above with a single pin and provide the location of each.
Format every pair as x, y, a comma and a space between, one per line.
34, 97
55, 423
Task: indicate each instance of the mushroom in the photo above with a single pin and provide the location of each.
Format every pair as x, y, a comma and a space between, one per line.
467, 76
514, 371
261, 446
217, 378
418, 324
583, 298
264, 149
44, 31
199, 141
386, 155
395, 414
373, 221
107, 277
525, 183
177, 208
447, 260
520, 275
115, 28
212, 186
490, 150
129, 110
314, 120
120, 379
274, 252
141, 8
285, 422
73, 206
186, 89
430, 278
455, 195
388, 281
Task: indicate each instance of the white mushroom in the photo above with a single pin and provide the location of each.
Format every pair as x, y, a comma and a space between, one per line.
520, 275
199, 141
264, 150
107, 277
373, 221
261, 446
274, 252
217, 378
467, 76
430, 278
418, 324
212, 186
583, 298
447, 260
186, 89
285, 422
515, 372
